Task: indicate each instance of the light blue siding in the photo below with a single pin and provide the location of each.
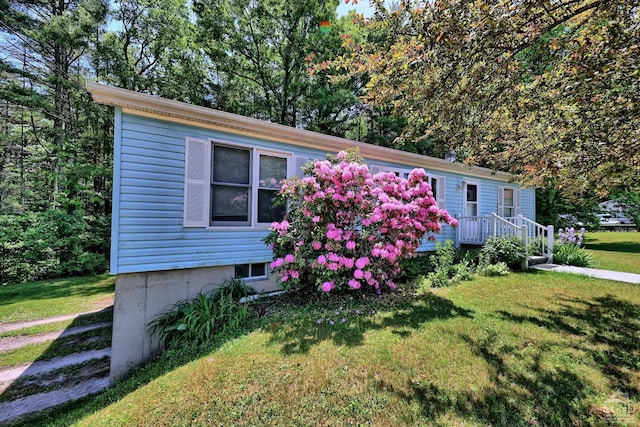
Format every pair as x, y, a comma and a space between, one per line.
147, 226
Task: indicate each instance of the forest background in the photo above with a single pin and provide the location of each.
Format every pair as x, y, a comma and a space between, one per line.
546, 89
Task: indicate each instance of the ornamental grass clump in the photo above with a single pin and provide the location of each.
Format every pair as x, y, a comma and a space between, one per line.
199, 319
347, 229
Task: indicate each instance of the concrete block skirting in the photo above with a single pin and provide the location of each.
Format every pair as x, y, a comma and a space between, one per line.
140, 297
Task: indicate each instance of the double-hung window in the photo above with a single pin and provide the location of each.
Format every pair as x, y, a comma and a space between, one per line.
508, 202
232, 185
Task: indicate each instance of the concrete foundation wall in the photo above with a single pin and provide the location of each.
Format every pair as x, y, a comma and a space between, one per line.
140, 297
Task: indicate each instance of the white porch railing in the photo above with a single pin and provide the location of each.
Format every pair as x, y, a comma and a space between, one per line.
540, 236
475, 230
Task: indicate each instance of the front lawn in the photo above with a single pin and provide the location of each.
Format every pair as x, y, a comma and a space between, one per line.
530, 349
47, 298
618, 251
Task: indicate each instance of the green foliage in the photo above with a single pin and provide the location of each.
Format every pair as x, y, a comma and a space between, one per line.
51, 244
503, 249
415, 266
498, 269
555, 208
537, 245
445, 269
572, 254
511, 85
199, 319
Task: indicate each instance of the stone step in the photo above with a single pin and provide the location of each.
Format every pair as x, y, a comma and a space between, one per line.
41, 401
12, 343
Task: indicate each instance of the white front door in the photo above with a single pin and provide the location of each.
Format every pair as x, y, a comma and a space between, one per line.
470, 200
470, 210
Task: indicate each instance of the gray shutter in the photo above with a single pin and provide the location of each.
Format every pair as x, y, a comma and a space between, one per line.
501, 201
197, 169
441, 191
516, 201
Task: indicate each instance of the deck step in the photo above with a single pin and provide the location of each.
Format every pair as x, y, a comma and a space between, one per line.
537, 259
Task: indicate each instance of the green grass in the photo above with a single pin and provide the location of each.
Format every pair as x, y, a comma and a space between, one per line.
89, 340
526, 349
618, 251
37, 300
105, 315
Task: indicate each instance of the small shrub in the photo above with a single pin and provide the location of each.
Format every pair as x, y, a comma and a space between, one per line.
468, 256
414, 266
498, 269
509, 250
537, 246
462, 271
444, 256
445, 269
572, 254
198, 319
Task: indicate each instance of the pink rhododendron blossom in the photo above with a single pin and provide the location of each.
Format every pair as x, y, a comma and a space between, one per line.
362, 262
327, 286
348, 262
354, 284
359, 226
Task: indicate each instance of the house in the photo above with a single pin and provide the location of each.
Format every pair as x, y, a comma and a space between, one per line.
192, 193
612, 213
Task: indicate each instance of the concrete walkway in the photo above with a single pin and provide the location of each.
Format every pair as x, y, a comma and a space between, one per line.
591, 272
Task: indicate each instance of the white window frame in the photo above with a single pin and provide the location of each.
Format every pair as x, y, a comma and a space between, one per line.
198, 181
250, 277
516, 201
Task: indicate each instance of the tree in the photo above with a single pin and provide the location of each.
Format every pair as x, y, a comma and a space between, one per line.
42, 69
346, 228
545, 89
152, 48
260, 53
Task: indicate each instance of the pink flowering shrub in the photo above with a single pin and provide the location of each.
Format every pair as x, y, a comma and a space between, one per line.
348, 229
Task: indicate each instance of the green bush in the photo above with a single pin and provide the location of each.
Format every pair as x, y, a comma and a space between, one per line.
445, 269
413, 267
498, 269
571, 254
198, 319
50, 244
537, 246
509, 250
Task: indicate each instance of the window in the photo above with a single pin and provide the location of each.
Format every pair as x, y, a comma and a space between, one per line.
272, 170
471, 199
251, 271
232, 185
437, 182
508, 202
